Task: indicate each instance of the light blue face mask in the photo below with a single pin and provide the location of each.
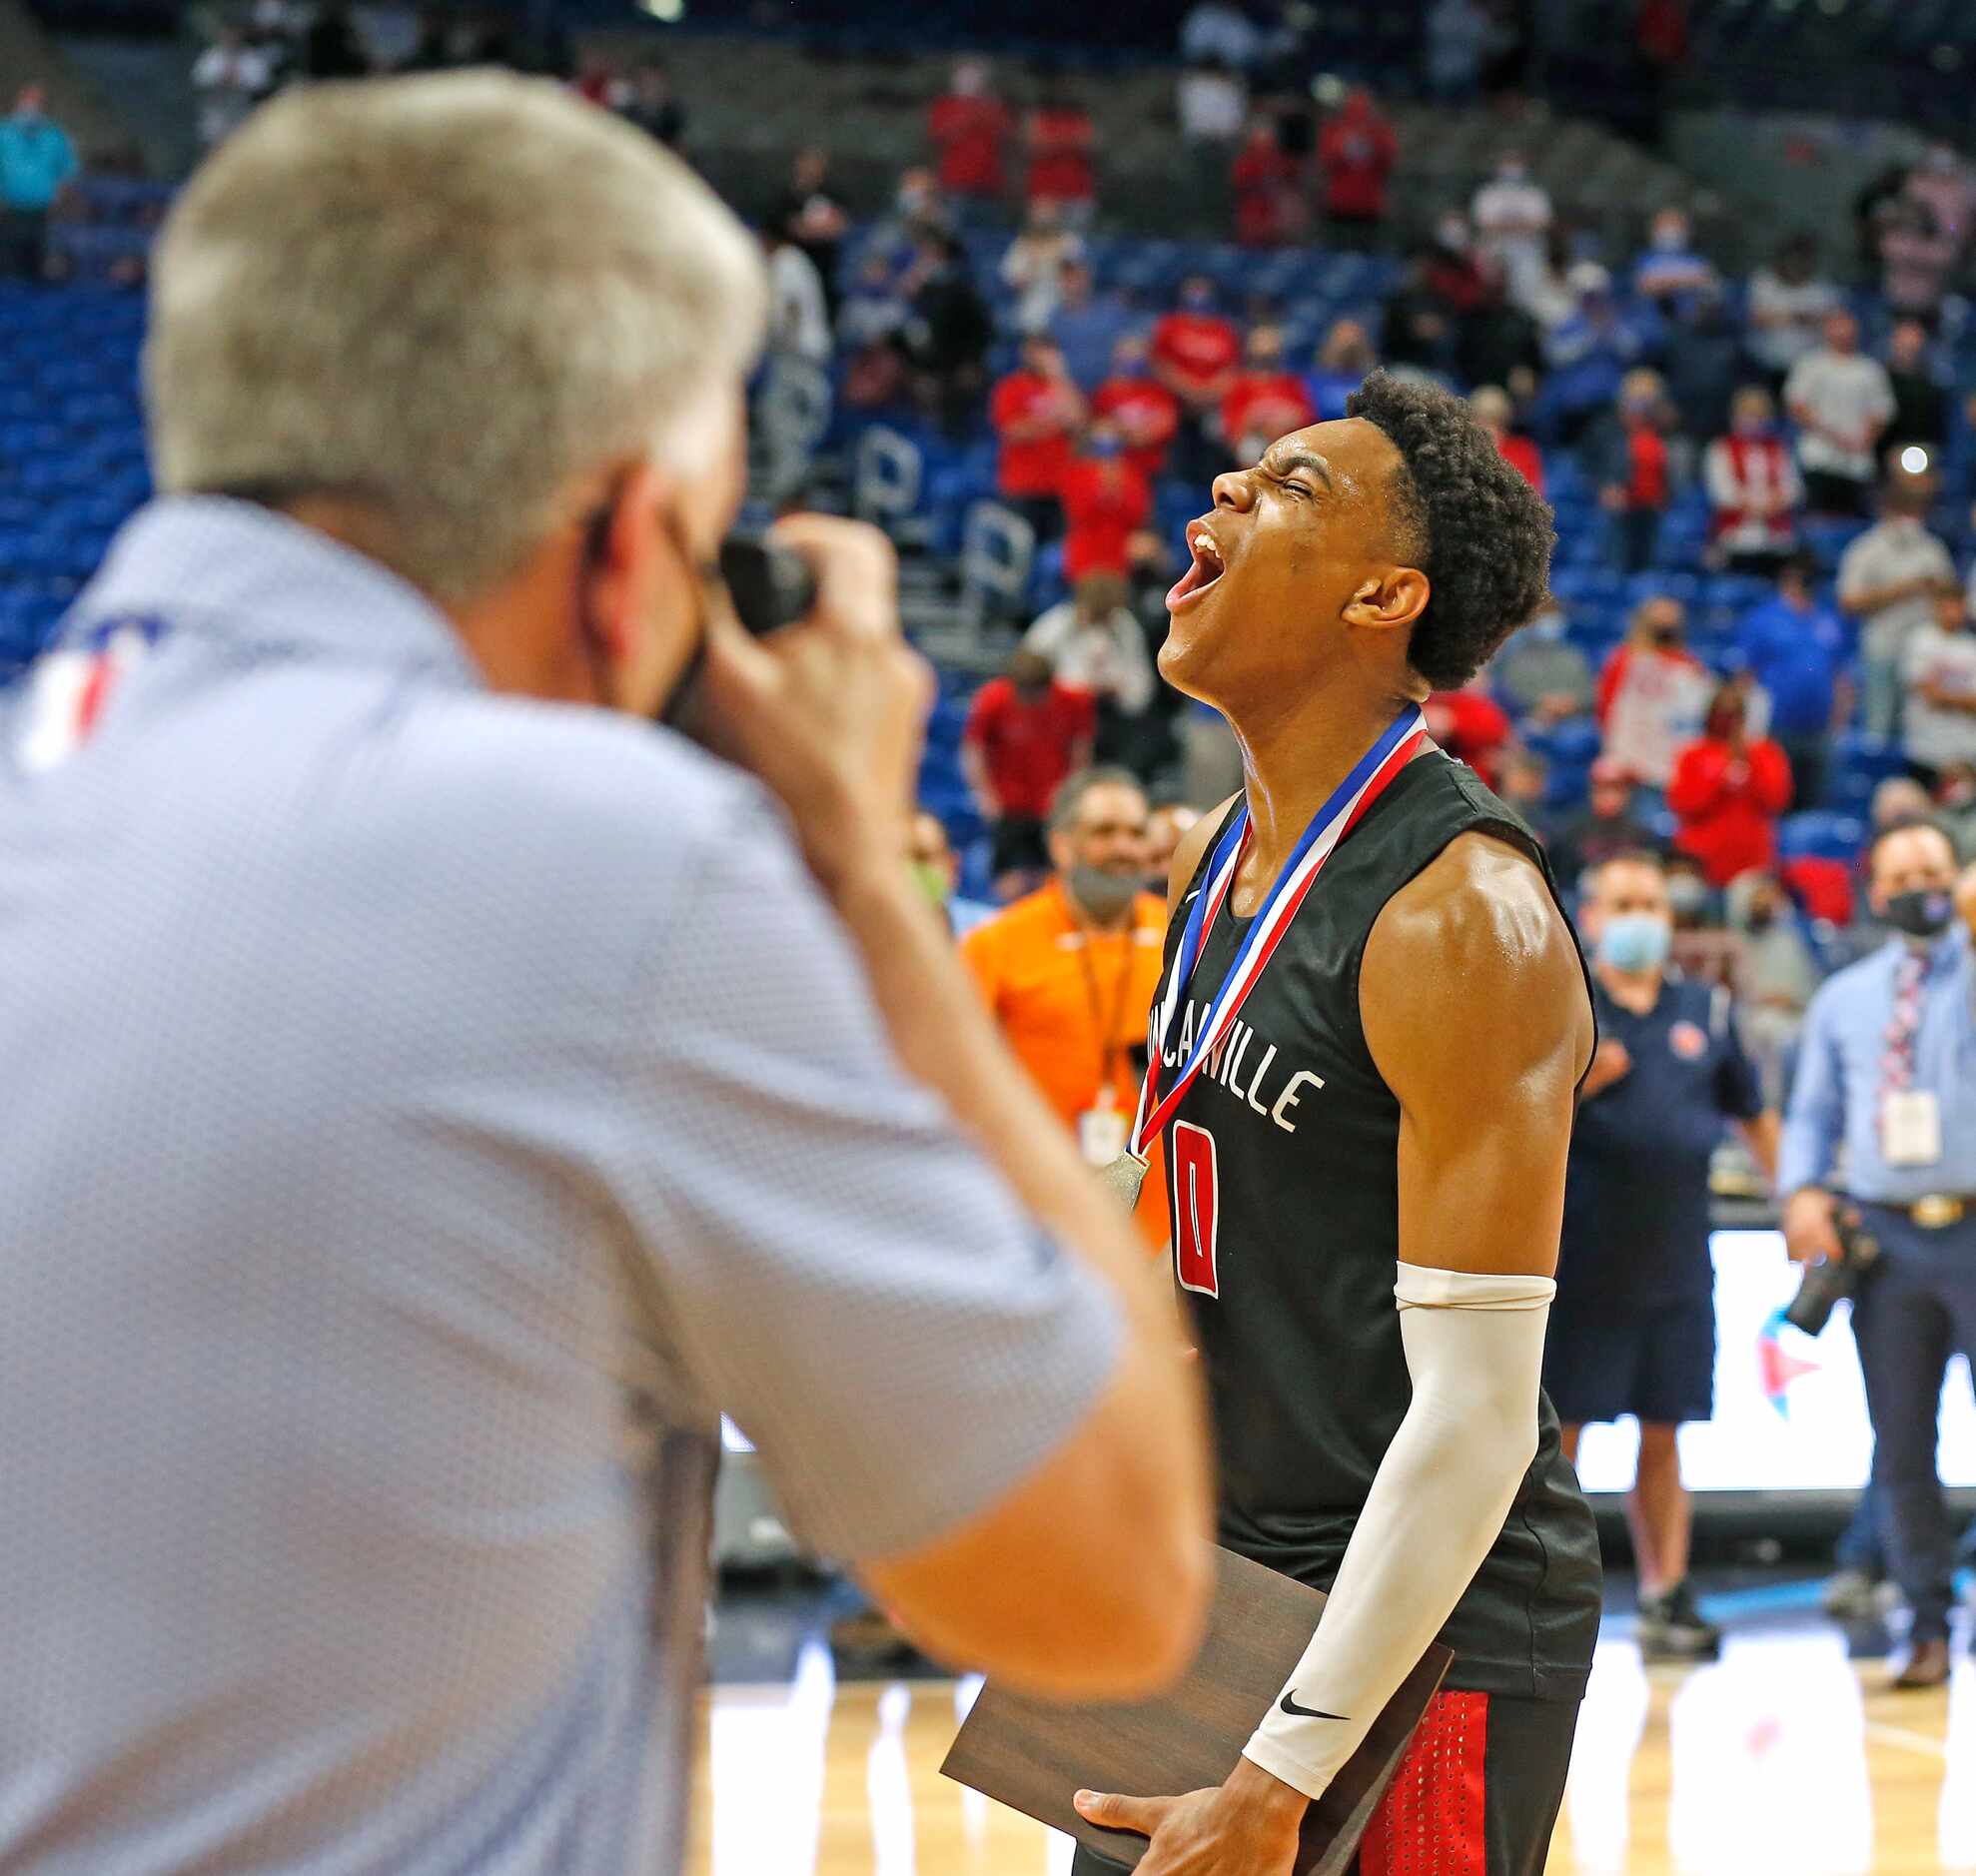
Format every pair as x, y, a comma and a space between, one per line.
1635, 941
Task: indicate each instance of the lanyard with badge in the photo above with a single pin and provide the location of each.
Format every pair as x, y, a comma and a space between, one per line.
1103, 1129
1369, 778
1910, 1117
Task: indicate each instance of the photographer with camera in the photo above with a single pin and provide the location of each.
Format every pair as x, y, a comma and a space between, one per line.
1633, 1328
437, 1092
1886, 1091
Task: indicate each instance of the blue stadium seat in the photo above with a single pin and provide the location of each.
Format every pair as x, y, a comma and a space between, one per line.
1857, 752
1574, 745
1820, 835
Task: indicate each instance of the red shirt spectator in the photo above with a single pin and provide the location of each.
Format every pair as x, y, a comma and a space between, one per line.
968, 127
1471, 726
1754, 488
1036, 410
1727, 793
1141, 409
1106, 500
1494, 412
1060, 138
1027, 738
1264, 179
1195, 352
1646, 467
1357, 151
1661, 32
1264, 402
1523, 454
597, 83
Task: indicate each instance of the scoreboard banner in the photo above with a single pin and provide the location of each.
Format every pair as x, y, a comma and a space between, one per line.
1790, 1410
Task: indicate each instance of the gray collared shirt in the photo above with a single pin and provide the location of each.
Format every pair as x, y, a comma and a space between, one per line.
426, 1111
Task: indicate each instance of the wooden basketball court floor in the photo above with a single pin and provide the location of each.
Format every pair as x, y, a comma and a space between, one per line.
1784, 1756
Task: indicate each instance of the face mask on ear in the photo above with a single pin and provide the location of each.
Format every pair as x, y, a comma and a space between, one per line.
1924, 913
1635, 941
1102, 894
931, 878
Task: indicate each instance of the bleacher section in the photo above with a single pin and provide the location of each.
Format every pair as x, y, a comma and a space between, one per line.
72, 461
72, 467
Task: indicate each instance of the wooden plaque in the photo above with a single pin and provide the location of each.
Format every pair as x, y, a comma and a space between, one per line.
1033, 1755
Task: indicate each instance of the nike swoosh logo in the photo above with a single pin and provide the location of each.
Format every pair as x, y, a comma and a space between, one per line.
1295, 1712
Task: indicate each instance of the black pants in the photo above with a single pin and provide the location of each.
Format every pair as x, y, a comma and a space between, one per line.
1635, 538
1044, 514
1517, 1751
23, 242
1915, 1309
1807, 757
1826, 493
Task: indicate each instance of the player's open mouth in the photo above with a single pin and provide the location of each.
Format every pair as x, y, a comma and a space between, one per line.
1206, 566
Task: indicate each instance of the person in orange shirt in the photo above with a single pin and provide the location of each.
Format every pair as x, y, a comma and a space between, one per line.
1070, 971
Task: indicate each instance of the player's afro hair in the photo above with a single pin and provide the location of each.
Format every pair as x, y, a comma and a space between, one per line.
1482, 533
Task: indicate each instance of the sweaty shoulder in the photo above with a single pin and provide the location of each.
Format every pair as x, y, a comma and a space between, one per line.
1471, 972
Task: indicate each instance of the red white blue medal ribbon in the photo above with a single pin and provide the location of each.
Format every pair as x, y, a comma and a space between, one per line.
1371, 776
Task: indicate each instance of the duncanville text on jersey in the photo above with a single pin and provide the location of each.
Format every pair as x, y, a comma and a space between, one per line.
1245, 1065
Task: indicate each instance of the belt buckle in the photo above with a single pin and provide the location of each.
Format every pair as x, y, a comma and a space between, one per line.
1937, 1210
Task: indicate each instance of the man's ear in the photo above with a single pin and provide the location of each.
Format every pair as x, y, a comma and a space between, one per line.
1393, 600
632, 558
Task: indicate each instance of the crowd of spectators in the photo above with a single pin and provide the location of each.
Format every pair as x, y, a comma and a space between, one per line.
1646, 378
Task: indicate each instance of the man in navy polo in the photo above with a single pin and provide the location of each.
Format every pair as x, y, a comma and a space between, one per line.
1633, 1329
1799, 651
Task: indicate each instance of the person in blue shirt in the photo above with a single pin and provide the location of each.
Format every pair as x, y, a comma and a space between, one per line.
1670, 272
1087, 325
1632, 1329
1887, 1079
1800, 653
1588, 352
1343, 362
36, 161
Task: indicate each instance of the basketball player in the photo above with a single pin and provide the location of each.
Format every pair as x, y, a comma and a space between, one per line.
1392, 1101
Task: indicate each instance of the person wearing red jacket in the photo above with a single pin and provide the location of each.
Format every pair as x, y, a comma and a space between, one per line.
968, 127
1060, 138
1036, 410
1495, 412
1470, 726
1266, 402
1357, 151
1106, 500
1727, 793
1197, 355
1141, 409
1264, 179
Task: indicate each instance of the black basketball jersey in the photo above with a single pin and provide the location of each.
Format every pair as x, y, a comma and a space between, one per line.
1282, 1163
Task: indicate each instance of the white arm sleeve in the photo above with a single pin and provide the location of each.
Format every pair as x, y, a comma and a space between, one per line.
1474, 1350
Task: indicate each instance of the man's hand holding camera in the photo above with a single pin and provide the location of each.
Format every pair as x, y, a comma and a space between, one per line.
830, 712
1811, 1226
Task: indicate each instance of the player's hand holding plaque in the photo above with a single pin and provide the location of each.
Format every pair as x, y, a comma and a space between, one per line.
1038, 1757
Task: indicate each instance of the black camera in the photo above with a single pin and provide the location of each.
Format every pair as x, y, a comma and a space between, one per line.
770, 586
1823, 1284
